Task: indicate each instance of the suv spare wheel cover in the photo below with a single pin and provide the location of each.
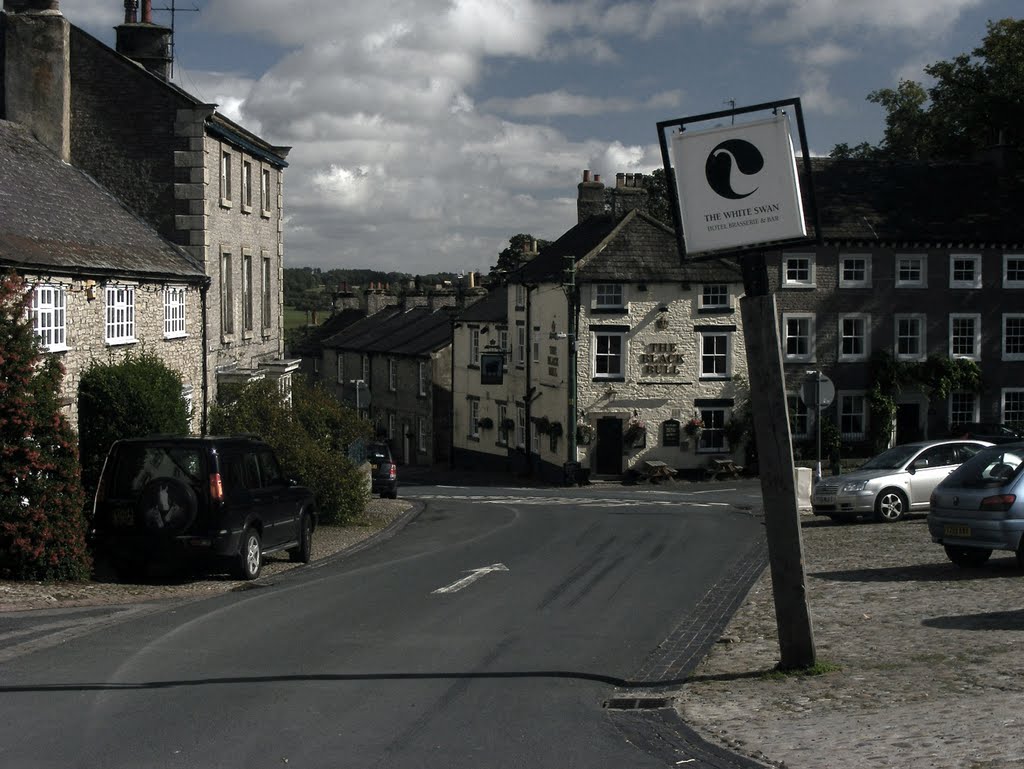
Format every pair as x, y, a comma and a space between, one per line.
166, 506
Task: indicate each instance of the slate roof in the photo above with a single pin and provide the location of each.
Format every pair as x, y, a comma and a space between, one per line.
310, 341
414, 332
492, 308
918, 202
56, 219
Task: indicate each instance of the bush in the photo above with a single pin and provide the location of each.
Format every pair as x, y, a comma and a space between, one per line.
135, 397
42, 525
311, 438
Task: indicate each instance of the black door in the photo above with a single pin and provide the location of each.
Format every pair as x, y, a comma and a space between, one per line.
608, 452
908, 423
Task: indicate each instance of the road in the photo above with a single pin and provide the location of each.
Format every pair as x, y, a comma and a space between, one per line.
490, 632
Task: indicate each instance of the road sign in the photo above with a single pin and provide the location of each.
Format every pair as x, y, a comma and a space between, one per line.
817, 387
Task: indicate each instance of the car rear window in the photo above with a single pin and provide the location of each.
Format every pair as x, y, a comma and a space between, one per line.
992, 467
135, 465
378, 453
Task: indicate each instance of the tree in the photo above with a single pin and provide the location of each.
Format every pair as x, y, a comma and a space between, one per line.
658, 203
518, 252
977, 101
42, 523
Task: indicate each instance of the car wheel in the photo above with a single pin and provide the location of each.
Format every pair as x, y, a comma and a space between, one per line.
968, 557
890, 505
304, 552
249, 560
393, 494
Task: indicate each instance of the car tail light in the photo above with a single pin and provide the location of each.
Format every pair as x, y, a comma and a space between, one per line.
216, 487
392, 472
1001, 502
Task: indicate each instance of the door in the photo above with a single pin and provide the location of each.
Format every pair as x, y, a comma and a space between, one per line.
908, 423
278, 505
608, 452
930, 469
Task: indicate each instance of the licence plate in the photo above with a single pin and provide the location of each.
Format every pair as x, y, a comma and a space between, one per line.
122, 517
374, 467
956, 530
824, 499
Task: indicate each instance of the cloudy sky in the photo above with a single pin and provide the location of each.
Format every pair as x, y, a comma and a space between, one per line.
426, 132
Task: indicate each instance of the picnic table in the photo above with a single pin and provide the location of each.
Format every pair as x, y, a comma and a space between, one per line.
722, 467
655, 470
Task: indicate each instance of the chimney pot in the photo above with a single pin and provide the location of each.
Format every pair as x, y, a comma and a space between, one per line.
147, 11
586, 174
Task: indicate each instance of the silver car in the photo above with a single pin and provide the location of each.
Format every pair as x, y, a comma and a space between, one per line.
980, 507
897, 481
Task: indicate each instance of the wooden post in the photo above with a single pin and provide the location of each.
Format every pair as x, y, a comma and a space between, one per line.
775, 465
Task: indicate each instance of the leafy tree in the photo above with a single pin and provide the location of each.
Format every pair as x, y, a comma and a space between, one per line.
136, 396
977, 101
658, 203
42, 524
516, 254
311, 438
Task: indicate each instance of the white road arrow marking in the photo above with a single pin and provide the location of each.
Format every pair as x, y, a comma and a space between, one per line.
470, 578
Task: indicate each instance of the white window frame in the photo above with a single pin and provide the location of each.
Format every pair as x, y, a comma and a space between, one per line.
976, 318
248, 298
865, 336
421, 378
864, 281
970, 415
1007, 416
225, 178
718, 293
503, 345
811, 336
266, 305
708, 443
1017, 263
392, 375
807, 281
246, 186
119, 306
520, 296
49, 317
474, 418
922, 326
391, 425
174, 312
502, 431
921, 281
1019, 319
474, 347
535, 344
609, 296
421, 435
227, 294
265, 192
534, 438
975, 280
844, 401
799, 416
520, 426
596, 335
339, 367
716, 354
520, 346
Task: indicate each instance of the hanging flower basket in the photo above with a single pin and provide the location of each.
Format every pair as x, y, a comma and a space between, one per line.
486, 423
508, 424
555, 430
584, 433
694, 427
543, 425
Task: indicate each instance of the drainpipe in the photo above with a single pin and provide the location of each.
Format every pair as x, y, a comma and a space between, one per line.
206, 360
451, 403
527, 443
572, 322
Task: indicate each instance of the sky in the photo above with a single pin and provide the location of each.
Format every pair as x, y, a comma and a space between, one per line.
426, 133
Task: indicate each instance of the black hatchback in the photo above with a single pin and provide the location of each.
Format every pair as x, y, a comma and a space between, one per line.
219, 498
383, 470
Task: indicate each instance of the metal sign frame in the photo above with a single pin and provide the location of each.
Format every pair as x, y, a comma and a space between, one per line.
806, 190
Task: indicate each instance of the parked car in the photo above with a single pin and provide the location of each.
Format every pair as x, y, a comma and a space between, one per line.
383, 470
980, 507
991, 432
168, 499
892, 484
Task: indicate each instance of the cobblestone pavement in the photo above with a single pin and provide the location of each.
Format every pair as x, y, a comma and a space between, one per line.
930, 668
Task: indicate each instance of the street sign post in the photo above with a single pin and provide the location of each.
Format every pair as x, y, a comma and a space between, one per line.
817, 392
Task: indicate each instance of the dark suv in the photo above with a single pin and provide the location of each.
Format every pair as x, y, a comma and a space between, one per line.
383, 470
224, 498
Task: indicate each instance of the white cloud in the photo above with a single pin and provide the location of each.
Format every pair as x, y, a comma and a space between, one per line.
561, 102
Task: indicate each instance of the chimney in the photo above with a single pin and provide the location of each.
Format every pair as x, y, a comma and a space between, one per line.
36, 89
629, 193
590, 201
144, 42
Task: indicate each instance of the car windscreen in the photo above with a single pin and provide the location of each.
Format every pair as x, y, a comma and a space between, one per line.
891, 459
992, 467
135, 465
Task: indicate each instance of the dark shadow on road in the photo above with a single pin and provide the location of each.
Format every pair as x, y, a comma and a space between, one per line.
993, 620
997, 568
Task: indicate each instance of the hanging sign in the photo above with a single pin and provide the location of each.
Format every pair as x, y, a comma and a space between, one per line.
737, 185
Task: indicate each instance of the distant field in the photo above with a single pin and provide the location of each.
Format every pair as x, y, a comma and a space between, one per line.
294, 318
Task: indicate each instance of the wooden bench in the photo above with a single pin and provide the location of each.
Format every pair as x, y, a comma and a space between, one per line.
654, 470
722, 467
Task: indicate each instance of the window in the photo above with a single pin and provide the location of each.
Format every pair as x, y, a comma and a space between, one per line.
120, 317
391, 425
227, 296
965, 336
608, 296
910, 337
852, 416
247, 297
520, 346
714, 296
421, 378
502, 427
49, 317
798, 336
474, 418
474, 347
341, 367
266, 318
855, 271
225, 178
1013, 271
965, 271
503, 344
174, 311
421, 435
1013, 406
246, 186
520, 296
265, 192
714, 355
536, 344
854, 337
963, 407
366, 369
392, 374
1013, 336
520, 426
797, 271
911, 271
799, 423
608, 355
712, 438
534, 438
